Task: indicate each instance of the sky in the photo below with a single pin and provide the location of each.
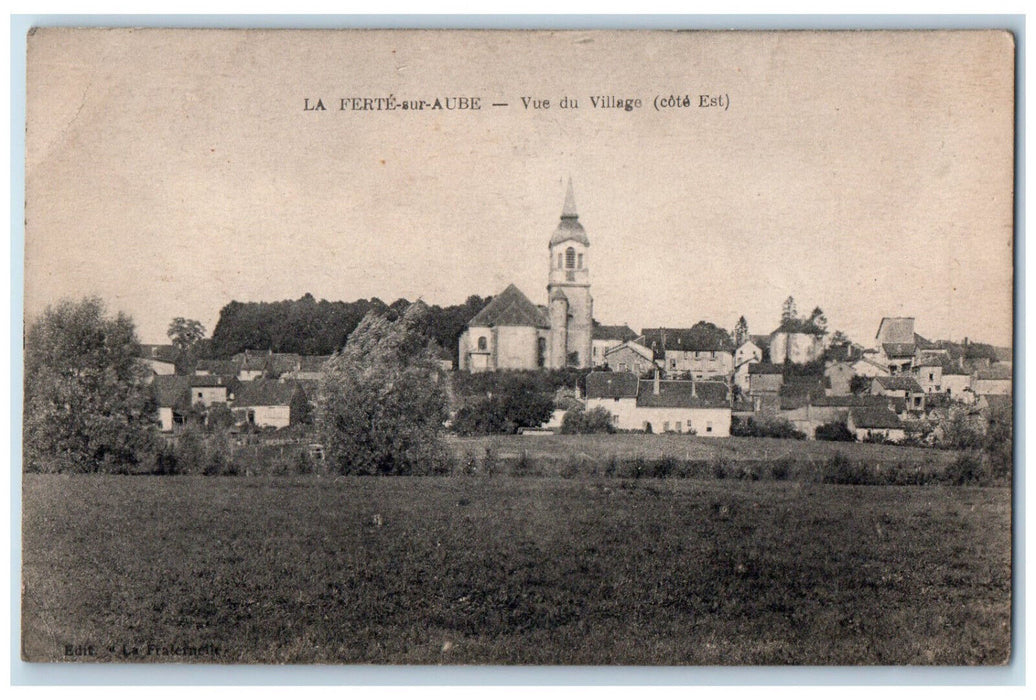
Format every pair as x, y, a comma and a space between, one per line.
870, 174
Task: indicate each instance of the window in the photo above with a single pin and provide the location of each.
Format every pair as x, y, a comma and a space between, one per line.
672, 363
708, 427
665, 426
678, 427
580, 263
570, 258
541, 351
199, 394
615, 417
482, 342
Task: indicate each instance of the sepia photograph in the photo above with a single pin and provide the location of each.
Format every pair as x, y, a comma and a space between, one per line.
536, 348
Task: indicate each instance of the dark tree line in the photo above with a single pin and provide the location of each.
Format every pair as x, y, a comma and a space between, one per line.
310, 327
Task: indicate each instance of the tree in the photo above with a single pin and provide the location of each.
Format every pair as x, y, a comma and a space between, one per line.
87, 406
818, 319
185, 333
740, 332
789, 313
382, 400
839, 338
860, 384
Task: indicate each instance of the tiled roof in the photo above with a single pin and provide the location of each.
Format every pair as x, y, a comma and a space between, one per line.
510, 308
632, 347
994, 373
208, 380
763, 341
686, 339
868, 417
314, 363
682, 394
227, 367
162, 353
280, 362
622, 333
898, 349
764, 368
265, 392
899, 383
896, 329
611, 385
172, 391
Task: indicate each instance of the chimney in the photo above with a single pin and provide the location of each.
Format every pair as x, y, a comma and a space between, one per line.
657, 384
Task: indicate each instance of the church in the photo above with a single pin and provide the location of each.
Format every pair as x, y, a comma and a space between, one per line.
514, 333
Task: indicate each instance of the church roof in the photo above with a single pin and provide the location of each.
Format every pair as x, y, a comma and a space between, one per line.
569, 229
510, 308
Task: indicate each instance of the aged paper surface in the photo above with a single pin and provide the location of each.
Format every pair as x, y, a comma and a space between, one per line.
171, 172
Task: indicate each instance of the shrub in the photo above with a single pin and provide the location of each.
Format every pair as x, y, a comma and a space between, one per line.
966, 469
663, 467
772, 427
578, 421
836, 431
781, 469
842, 470
719, 470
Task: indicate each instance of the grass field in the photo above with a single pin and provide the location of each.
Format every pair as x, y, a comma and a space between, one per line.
505, 570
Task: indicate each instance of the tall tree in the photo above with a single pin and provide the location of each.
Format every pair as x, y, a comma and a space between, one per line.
382, 400
789, 313
185, 332
87, 406
740, 332
818, 319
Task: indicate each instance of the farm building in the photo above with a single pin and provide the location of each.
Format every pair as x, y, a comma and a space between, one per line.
660, 406
875, 423
904, 387
607, 337
994, 381
173, 400
270, 403
630, 357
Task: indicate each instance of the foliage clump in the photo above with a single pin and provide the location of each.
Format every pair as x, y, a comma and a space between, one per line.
579, 421
382, 400
87, 405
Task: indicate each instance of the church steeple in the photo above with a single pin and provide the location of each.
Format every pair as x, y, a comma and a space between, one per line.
568, 290
569, 210
569, 228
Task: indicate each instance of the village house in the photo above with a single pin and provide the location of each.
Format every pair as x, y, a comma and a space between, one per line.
747, 352
995, 381
929, 376
871, 423
173, 400
161, 359
838, 377
764, 384
660, 406
270, 403
310, 367
696, 353
607, 337
870, 366
250, 364
904, 387
226, 368
956, 383
211, 389
630, 357
896, 343
796, 342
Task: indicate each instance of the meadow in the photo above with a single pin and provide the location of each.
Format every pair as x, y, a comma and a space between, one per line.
503, 570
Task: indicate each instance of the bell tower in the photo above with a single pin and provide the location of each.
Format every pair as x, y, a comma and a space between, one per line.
568, 291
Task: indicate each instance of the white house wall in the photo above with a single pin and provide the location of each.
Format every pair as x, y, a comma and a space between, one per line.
626, 415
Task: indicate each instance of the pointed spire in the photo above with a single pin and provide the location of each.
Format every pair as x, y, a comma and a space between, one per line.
569, 210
